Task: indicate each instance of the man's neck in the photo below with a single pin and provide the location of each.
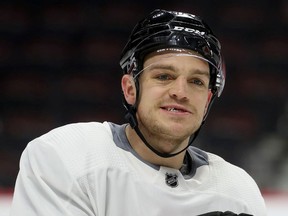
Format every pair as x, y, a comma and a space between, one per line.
143, 151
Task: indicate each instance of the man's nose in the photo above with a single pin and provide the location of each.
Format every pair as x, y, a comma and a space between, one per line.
179, 89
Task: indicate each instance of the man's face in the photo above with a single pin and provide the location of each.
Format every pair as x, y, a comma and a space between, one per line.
174, 95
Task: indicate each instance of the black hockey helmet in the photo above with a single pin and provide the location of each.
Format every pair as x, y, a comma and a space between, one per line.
169, 29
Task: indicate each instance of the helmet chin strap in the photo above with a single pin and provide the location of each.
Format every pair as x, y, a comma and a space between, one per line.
131, 118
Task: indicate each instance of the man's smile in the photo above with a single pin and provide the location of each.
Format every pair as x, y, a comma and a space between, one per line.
176, 109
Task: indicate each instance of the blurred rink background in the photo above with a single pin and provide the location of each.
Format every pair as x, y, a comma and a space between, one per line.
59, 64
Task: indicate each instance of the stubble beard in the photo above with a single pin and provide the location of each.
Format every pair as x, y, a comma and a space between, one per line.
162, 137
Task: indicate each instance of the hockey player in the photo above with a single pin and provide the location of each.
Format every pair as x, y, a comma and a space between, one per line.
173, 70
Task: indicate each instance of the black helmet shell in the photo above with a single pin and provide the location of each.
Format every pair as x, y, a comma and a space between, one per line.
169, 29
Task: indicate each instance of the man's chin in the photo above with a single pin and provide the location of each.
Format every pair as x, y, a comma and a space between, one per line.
180, 129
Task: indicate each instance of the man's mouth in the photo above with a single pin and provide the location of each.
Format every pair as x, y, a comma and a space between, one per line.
175, 109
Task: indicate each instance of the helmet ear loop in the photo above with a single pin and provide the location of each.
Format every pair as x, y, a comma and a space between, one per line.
131, 110
137, 70
213, 88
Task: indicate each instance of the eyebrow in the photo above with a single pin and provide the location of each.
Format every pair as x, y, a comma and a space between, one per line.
172, 68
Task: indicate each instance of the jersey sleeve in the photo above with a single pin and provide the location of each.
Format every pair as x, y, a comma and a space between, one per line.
44, 185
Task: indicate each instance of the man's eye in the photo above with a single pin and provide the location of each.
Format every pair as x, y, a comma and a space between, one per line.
164, 77
197, 82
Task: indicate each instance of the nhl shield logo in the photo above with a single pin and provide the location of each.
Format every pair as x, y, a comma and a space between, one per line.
171, 179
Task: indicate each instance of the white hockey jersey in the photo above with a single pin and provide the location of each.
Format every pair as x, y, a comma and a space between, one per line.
89, 169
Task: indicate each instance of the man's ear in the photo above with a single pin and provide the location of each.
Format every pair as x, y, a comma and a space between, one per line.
210, 94
128, 89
